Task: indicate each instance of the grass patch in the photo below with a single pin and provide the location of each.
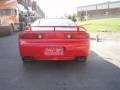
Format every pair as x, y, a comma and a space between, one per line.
109, 24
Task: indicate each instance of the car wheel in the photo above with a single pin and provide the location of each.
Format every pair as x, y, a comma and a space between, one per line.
21, 26
81, 59
11, 29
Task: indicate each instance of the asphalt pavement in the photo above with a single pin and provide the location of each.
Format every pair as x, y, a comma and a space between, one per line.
96, 74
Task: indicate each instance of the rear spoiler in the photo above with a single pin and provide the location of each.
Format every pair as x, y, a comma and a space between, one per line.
57, 28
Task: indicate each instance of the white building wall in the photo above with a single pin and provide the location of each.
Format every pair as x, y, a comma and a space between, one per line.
102, 6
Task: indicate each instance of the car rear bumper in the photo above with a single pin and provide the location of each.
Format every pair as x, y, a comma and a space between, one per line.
36, 50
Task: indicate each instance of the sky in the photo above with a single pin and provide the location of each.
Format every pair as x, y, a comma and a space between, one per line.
60, 8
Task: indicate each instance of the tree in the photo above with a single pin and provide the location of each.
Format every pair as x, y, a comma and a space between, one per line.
70, 17
40, 12
73, 17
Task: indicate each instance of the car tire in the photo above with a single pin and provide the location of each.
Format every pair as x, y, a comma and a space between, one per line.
81, 59
11, 29
21, 26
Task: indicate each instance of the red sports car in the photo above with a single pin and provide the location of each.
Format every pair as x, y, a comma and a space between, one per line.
54, 39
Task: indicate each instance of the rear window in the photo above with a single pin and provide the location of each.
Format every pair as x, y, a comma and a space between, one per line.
54, 22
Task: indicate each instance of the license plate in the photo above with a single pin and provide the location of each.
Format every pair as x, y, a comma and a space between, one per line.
54, 51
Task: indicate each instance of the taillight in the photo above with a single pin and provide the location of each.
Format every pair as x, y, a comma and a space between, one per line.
78, 36
36, 36
26, 35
